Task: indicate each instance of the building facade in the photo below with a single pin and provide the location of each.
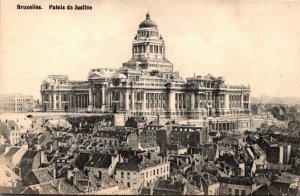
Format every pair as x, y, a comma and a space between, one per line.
146, 85
16, 103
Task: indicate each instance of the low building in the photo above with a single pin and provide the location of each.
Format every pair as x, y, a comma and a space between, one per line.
257, 154
148, 147
104, 163
174, 187
158, 136
236, 185
267, 190
11, 132
277, 152
138, 123
204, 181
286, 182
176, 149
95, 183
116, 138
142, 170
189, 135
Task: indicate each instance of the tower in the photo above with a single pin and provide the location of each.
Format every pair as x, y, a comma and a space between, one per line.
148, 49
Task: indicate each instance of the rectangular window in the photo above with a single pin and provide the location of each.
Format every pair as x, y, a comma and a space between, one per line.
236, 192
229, 191
243, 192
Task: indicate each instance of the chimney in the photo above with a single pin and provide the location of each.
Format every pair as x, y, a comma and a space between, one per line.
194, 166
58, 186
200, 184
120, 158
172, 180
54, 171
74, 182
100, 175
51, 147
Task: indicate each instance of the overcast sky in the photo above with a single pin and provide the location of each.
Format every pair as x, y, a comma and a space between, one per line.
256, 43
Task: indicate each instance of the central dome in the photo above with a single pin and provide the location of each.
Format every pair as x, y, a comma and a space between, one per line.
148, 22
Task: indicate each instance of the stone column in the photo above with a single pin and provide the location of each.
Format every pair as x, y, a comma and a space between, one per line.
103, 97
50, 101
132, 100
126, 99
78, 103
54, 101
192, 101
91, 100
94, 103
144, 101
108, 100
171, 102
59, 100
242, 101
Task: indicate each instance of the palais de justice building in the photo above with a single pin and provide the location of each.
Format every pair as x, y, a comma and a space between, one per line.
147, 85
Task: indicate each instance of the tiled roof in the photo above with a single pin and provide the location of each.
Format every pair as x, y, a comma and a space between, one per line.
100, 160
122, 135
57, 123
175, 147
4, 130
171, 187
168, 184
287, 178
139, 162
12, 125
11, 152
149, 145
37, 176
43, 188
11, 190
267, 190
104, 183
260, 180
30, 153
257, 150
246, 181
65, 187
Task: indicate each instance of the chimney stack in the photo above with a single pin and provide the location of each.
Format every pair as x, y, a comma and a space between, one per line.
54, 171
100, 175
58, 186
172, 180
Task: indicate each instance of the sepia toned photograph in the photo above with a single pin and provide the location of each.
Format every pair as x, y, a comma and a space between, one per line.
163, 97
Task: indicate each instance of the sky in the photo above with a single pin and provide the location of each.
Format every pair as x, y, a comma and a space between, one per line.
247, 42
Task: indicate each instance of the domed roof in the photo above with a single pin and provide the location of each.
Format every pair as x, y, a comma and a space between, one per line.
148, 22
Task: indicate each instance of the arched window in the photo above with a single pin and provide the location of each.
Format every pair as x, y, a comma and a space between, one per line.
122, 174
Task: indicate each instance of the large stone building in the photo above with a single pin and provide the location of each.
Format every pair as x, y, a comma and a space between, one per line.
16, 103
147, 85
